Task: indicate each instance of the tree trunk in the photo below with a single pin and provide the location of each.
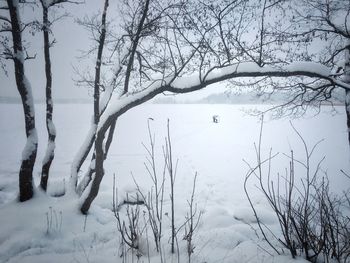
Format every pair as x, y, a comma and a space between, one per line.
24, 89
50, 150
80, 157
91, 137
347, 92
88, 176
98, 174
100, 155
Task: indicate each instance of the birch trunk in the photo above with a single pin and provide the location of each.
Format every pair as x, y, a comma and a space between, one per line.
51, 130
25, 91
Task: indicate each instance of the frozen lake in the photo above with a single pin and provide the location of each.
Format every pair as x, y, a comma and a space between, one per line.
214, 150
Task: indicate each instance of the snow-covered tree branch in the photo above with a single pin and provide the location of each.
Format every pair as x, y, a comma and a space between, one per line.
193, 45
177, 46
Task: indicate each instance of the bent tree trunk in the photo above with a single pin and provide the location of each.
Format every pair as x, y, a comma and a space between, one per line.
88, 176
24, 89
81, 157
50, 150
131, 100
99, 149
92, 134
99, 172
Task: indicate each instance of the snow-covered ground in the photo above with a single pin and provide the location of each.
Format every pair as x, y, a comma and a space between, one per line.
48, 229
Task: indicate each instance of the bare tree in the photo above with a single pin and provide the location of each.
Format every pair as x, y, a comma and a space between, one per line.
99, 32
329, 22
193, 218
154, 200
318, 31
310, 216
16, 52
101, 29
51, 130
184, 47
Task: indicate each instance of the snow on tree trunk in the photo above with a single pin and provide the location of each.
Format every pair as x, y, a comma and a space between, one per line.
24, 88
126, 103
85, 148
122, 104
99, 173
50, 150
347, 92
88, 176
80, 158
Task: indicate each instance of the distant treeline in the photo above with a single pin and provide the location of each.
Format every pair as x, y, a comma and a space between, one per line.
12, 100
240, 98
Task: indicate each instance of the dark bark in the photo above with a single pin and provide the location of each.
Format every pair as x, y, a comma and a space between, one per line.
101, 43
99, 173
82, 158
149, 95
29, 154
100, 156
86, 153
50, 153
88, 176
273, 72
110, 138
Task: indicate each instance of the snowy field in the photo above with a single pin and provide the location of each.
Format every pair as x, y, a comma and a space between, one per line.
48, 229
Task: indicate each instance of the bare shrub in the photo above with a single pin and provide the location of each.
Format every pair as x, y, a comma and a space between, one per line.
151, 203
310, 216
154, 199
129, 226
192, 221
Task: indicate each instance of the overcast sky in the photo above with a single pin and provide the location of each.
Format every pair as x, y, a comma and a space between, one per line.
70, 38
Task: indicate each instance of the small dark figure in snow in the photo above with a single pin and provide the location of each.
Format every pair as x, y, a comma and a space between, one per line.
216, 118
